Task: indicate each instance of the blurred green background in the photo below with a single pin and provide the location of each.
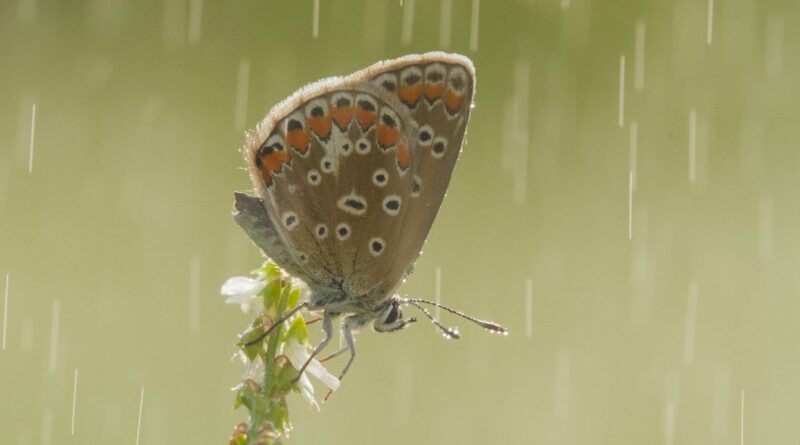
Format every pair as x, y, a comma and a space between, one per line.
646, 260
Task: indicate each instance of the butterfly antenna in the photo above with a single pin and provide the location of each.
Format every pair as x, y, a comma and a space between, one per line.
447, 332
488, 325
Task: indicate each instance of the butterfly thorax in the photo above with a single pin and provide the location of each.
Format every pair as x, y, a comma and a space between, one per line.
343, 302
384, 312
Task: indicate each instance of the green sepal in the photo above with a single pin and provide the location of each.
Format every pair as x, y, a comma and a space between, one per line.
294, 297
251, 334
272, 296
298, 330
269, 271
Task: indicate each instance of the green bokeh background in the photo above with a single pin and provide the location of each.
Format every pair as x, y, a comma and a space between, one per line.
124, 222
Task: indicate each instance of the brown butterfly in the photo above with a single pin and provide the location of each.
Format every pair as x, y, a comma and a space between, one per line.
349, 174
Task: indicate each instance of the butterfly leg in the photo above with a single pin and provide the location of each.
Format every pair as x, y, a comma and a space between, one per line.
334, 355
327, 326
347, 330
275, 324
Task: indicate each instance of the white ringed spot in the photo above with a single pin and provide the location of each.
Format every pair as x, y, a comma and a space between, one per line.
391, 204
363, 146
353, 204
317, 108
457, 80
425, 135
376, 246
343, 231
387, 81
290, 220
321, 231
314, 177
326, 164
439, 147
380, 177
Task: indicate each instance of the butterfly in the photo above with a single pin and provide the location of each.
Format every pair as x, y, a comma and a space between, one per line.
349, 174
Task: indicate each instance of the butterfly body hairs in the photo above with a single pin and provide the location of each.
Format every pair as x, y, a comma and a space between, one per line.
349, 174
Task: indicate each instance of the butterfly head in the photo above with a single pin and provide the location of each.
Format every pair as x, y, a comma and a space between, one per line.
390, 316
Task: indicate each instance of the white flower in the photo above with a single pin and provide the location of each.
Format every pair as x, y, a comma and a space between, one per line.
298, 355
253, 370
244, 292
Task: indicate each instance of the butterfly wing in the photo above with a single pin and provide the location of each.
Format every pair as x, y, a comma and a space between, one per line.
348, 186
435, 90
251, 215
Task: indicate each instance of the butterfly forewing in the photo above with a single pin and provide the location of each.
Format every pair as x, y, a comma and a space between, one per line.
352, 170
438, 95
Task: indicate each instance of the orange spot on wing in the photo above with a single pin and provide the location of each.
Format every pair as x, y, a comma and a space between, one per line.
272, 163
320, 125
365, 118
410, 95
342, 116
298, 139
433, 92
387, 136
403, 156
453, 102
267, 176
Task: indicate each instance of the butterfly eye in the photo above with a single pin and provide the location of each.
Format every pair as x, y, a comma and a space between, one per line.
392, 314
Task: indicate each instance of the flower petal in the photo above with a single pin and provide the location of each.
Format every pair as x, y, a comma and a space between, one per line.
307, 391
240, 289
317, 370
298, 355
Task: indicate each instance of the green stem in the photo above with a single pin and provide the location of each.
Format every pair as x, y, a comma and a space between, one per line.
272, 348
265, 412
